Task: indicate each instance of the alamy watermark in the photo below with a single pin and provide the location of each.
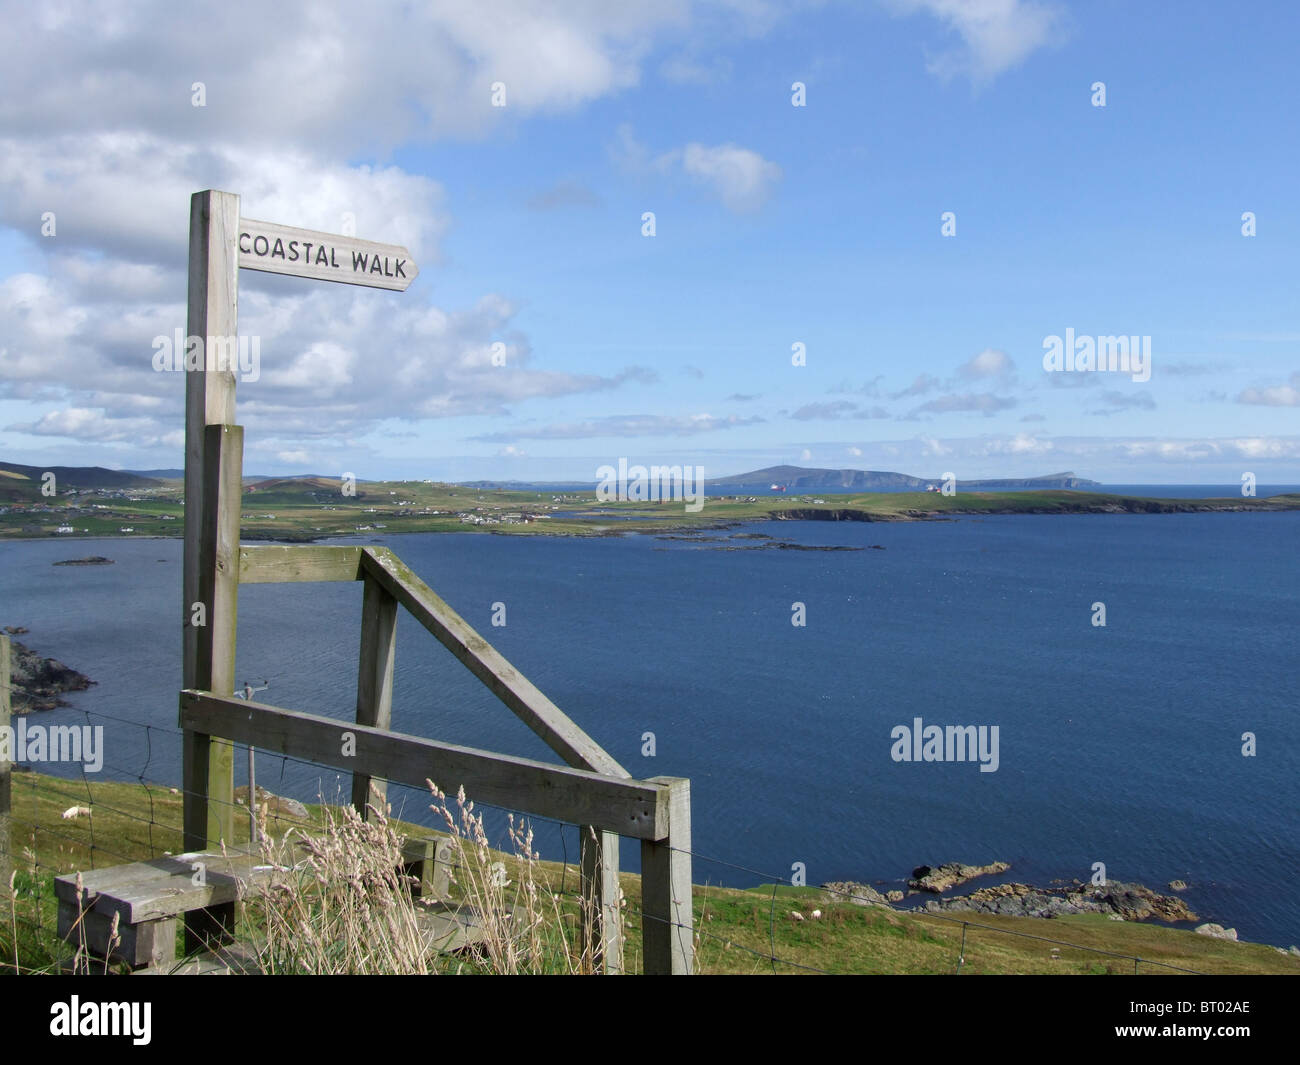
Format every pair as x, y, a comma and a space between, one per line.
654, 484
241, 355
951, 743
1087, 354
53, 743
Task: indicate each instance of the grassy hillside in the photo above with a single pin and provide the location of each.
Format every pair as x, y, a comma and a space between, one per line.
740, 930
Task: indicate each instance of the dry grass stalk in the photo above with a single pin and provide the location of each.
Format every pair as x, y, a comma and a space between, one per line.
527, 928
339, 902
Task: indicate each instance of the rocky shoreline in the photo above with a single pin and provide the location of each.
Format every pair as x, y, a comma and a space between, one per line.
1117, 900
37, 683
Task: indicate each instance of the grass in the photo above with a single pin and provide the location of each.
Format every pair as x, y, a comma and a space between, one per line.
737, 929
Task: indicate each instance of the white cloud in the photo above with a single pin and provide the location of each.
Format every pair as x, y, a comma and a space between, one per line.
624, 425
686, 69
988, 363
114, 148
742, 178
335, 76
980, 402
924, 383
1287, 395
1020, 444
996, 35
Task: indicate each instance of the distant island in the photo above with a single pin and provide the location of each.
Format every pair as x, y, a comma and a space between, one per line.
798, 478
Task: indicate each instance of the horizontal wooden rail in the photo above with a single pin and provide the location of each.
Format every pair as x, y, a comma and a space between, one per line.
277, 563
541, 715
629, 807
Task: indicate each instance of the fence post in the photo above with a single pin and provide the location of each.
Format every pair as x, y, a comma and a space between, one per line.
375, 683
6, 866
208, 649
600, 922
667, 919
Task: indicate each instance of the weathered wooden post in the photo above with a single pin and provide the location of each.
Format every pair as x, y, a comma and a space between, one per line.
599, 863
375, 683
667, 920
210, 592
6, 840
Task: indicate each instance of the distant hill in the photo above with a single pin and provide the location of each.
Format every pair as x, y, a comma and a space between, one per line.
799, 478
295, 484
18, 482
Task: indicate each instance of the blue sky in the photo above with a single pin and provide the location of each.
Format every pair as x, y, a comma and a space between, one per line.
774, 225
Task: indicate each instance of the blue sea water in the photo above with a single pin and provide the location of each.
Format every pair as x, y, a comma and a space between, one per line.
1120, 744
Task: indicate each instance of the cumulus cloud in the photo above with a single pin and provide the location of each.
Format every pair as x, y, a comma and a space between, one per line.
980, 402
989, 363
1113, 402
114, 148
686, 69
824, 411
1020, 444
624, 425
924, 383
340, 77
868, 388
996, 35
1286, 395
740, 177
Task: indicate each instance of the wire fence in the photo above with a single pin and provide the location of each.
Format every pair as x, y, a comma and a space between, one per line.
49, 839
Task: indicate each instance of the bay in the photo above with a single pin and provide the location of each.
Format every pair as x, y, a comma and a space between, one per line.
1120, 744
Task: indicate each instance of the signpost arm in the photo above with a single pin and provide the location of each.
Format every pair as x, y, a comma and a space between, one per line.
209, 597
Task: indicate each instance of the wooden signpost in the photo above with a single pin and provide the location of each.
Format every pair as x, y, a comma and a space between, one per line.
221, 243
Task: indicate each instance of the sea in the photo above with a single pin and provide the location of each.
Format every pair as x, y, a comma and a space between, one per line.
1120, 743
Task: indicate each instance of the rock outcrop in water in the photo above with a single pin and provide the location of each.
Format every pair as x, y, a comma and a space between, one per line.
38, 682
1130, 902
940, 878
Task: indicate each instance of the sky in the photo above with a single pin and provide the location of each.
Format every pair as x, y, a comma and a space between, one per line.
869, 220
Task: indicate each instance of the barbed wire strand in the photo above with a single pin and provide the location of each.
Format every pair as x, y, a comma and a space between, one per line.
152, 822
